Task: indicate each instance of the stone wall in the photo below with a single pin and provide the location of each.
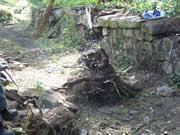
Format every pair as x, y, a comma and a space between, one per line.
151, 44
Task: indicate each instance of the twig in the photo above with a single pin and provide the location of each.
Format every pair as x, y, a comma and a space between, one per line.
40, 110
75, 67
58, 89
138, 128
116, 88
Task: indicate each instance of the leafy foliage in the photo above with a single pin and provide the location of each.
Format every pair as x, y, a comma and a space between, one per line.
137, 6
174, 80
69, 34
169, 6
67, 3
5, 16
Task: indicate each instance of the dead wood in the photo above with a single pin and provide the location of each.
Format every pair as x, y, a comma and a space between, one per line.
14, 95
110, 12
98, 78
52, 121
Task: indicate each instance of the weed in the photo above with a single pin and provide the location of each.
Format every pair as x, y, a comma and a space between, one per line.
169, 6
5, 16
174, 80
117, 122
39, 86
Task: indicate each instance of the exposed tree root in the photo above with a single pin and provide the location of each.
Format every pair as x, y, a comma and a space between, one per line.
101, 79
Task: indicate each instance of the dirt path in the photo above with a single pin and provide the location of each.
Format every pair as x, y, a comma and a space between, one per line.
45, 71
146, 114
18, 35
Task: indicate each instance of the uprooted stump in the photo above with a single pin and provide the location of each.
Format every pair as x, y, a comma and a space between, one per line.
58, 120
101, 80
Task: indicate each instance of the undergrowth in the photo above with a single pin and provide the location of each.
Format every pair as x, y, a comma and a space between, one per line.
174, 80
68, 35
171, 7
5, 16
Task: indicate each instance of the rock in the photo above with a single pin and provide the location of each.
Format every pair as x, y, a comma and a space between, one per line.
156, 27
129, 22
57, 12
72, 107
103, 125
132, 112
21, 114
49, 99
165, 132
99, 133
167, 67
17, 131
83, 132
16, 66
114, 21
166, 91
177, 67
13, 105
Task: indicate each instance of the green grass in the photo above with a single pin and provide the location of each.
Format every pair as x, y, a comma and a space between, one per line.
67, 3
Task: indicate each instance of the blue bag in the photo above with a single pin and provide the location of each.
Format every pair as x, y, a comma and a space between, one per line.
151, 14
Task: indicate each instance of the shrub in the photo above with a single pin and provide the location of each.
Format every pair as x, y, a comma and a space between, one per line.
5, 16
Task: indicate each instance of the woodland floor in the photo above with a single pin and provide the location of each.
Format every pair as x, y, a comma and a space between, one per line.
146, 114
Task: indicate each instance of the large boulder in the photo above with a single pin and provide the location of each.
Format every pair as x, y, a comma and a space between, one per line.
49, 99
166, 91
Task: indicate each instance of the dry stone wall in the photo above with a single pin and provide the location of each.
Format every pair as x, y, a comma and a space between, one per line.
151, 44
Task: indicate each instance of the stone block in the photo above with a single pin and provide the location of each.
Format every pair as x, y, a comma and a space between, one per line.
156, 27
137, 34
112, 23
115, 21
164, 49
107, 21
177, 67
167, 67
129, 22
105, 31
102, 21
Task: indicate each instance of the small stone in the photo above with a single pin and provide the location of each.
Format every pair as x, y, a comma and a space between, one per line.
83, 132
21, 115
103, 125
165, 133
13, 105
16, 66
167, 67
132, 112
98, 133
166, 91
17, 131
